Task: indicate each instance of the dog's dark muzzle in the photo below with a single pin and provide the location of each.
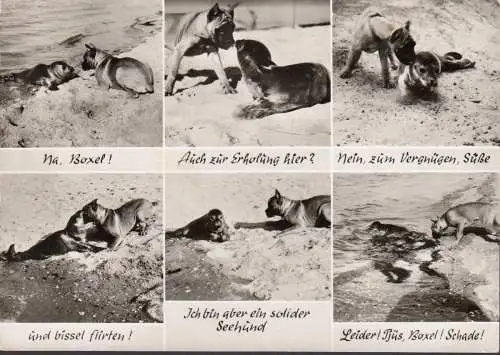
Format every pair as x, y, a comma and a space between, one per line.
269, 213
86, 65
227, 44
406, 55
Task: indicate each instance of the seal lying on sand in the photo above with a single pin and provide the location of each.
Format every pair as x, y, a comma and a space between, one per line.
72, 238
49, 76
111, 72
278, 89
211, 226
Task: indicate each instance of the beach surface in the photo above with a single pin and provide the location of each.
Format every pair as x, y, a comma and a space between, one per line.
81, 113
252, 265
198, 114
468, 107
109, 286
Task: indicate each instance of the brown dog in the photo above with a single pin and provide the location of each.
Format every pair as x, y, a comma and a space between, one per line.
117, 223
198, 33
375, 33
312, 212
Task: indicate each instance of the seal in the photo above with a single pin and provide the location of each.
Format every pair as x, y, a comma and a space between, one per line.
211, 226
49, 76
374, 32
278, 89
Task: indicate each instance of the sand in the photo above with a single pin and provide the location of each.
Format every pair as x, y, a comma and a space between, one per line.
198, 114
253, 264
81, 113
79, 287
467, 111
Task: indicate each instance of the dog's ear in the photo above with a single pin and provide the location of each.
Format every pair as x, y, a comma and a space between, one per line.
213, 12
277, 194
90, 46
232, 6
407, 25
93, 202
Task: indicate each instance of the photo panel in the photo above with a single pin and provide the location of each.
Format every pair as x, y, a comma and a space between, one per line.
81, 248
81, 73
251, 236
254, 73
417, 74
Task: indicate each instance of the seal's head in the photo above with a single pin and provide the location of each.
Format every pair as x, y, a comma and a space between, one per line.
63, 71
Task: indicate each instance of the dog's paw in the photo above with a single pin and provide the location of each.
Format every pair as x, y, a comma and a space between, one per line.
389, 85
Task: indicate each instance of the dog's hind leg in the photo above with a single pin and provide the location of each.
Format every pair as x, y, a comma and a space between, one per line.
352, 60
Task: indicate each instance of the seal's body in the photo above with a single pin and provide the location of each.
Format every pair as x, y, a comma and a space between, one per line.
50, 76
277, 89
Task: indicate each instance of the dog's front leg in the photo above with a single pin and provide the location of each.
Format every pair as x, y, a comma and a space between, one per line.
382, 53
460, 232
221, 74
175, 62
295, 227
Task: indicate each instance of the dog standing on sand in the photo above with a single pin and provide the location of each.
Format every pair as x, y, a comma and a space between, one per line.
483, 214
198, 33
312, 212
375, 33
117, 223
111, 72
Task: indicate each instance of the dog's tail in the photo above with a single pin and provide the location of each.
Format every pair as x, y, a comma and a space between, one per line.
453, 61
265, 108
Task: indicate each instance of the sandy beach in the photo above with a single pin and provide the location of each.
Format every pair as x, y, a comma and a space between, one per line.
253, 264
467, 110
81, 113
198, 114
110, 286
